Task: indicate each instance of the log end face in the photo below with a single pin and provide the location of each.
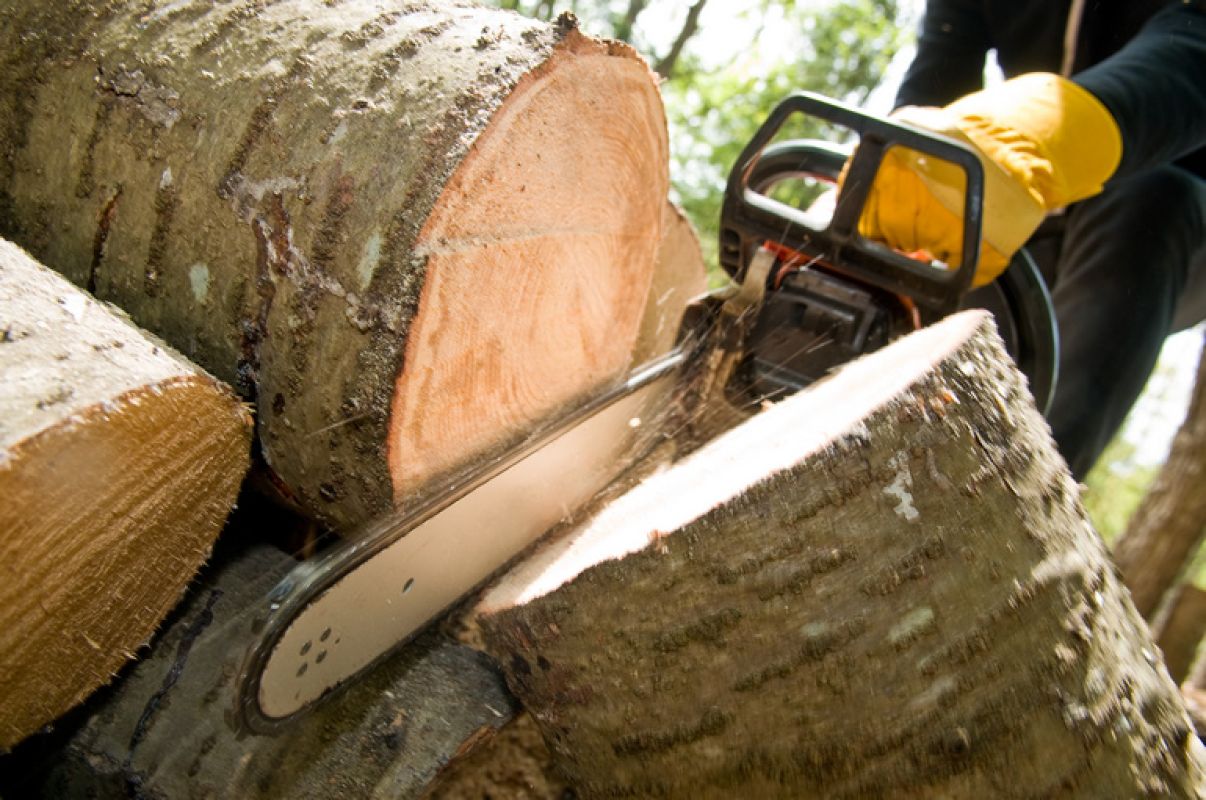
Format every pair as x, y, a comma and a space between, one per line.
106, 518
539, 257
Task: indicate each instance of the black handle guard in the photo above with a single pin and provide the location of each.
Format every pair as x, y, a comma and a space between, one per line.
749, 218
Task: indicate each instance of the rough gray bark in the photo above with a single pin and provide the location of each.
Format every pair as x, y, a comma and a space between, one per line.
884, 586
1170, 524
515, 763
163, 731
119, 461
407, 230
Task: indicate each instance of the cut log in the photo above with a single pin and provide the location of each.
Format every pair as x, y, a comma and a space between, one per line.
1180, 630
119, 462
1170, 524
883, 586
163, 730
407, 231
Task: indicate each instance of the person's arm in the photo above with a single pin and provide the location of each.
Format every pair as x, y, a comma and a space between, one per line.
1155, 88
1046, 142
951, 47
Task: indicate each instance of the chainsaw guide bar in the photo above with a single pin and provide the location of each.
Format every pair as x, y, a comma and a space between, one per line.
337, 615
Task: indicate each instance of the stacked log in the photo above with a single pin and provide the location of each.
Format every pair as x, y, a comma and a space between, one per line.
407, 231
119, 461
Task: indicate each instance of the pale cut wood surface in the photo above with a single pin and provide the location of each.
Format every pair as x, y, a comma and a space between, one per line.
119, 461
539, 254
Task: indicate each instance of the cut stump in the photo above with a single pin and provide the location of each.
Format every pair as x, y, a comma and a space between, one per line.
883, 586
119, 461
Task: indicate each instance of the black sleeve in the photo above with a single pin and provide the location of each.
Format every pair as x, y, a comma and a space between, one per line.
951, 48
1155, 87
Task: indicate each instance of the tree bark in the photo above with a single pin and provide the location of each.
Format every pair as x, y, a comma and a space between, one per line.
408, 233
1169, 525
119, 461
883, 586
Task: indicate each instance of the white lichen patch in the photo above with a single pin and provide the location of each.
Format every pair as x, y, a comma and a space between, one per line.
911, 625
934, 693
341, 130
198, 279
812, 630
899, 488
369, 259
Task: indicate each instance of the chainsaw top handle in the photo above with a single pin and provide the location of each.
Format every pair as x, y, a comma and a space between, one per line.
750, 218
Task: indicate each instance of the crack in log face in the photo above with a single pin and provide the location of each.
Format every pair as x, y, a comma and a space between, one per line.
86, 183
100, 238
257, 125
331, 231
273, 250
167, 201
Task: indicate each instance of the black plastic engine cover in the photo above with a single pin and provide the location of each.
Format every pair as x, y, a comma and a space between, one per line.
812, 323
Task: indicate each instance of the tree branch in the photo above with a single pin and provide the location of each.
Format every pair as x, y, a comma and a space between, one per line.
665, 66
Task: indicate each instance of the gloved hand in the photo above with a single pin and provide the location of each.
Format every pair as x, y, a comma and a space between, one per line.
1044, 141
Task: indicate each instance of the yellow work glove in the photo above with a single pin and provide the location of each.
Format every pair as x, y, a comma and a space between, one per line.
1044, 141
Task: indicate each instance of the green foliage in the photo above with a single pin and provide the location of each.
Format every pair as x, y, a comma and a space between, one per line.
842, 52
1116, 486
716, 100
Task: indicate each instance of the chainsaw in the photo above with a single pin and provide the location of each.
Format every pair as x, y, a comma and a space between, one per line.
807, 295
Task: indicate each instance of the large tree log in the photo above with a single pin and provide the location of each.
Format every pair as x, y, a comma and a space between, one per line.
884, 586
408, 230
119, 461
1169, 525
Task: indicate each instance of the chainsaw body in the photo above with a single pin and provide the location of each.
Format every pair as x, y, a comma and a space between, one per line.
834, 295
